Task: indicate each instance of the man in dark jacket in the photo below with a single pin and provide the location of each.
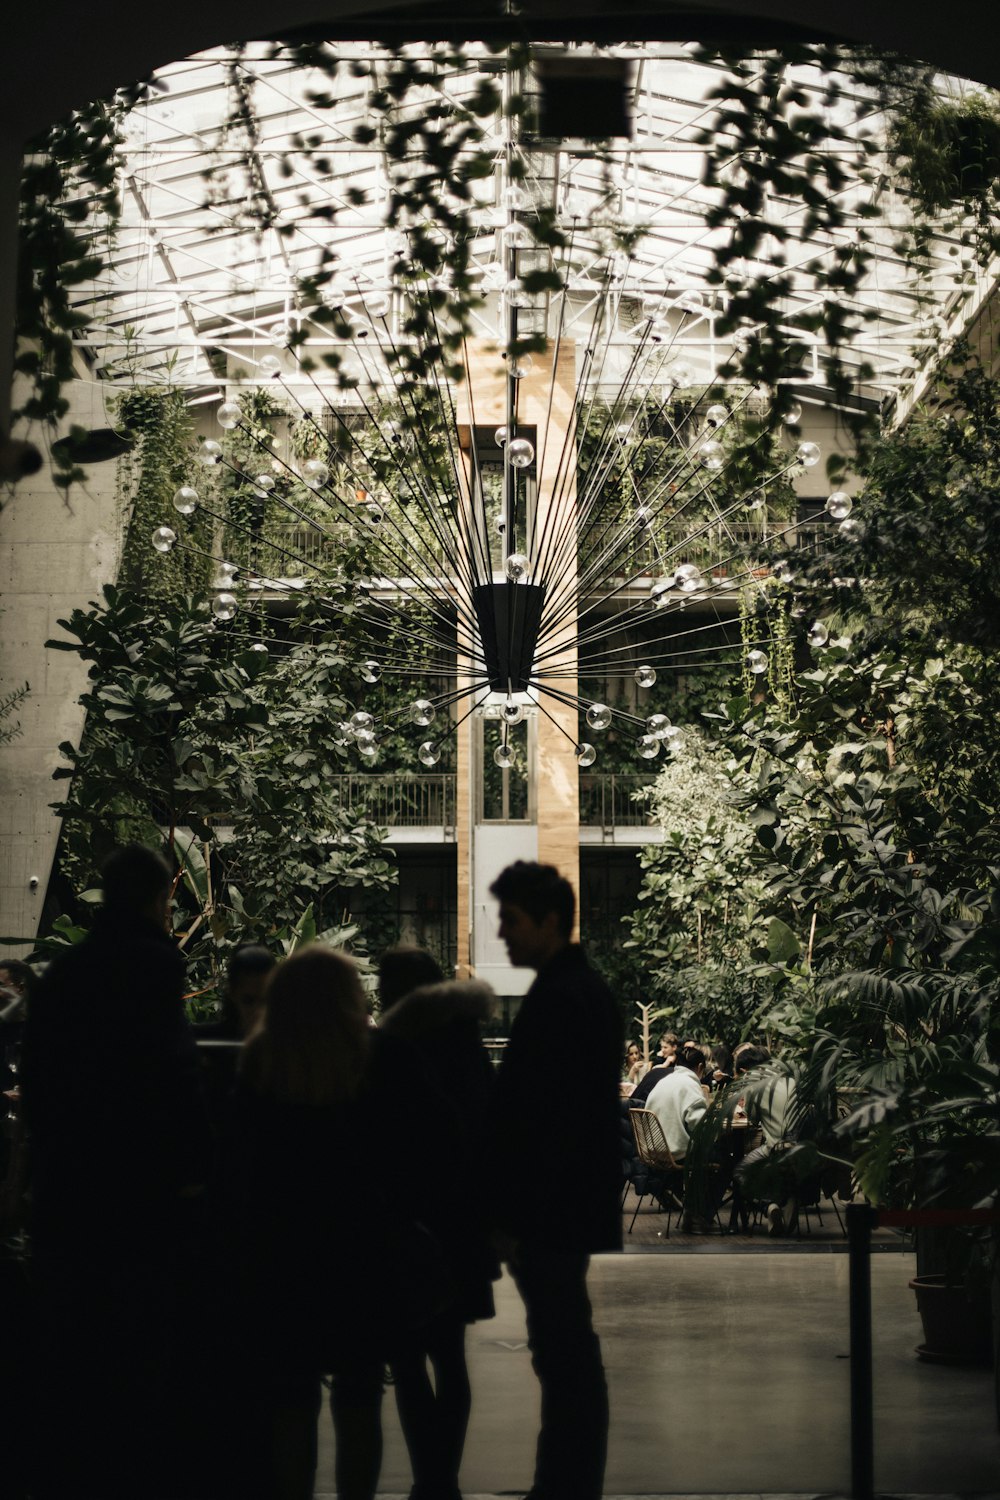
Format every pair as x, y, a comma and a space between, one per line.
556, 1173
118, 1153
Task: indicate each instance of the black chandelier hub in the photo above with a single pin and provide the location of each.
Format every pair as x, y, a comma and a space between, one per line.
509, 616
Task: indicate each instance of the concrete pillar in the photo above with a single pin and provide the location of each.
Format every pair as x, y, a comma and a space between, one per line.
55, 555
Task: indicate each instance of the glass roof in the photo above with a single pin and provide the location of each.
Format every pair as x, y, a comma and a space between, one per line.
236, 183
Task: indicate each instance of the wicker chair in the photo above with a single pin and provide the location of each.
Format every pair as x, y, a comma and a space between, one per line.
665, 1176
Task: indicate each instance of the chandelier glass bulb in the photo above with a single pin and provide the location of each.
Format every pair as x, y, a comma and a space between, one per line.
598, 716
262, 484
716, 416
657, 725
279, 334
818, 634
520, 453
585, 754
224, 606
515, 294
645, 675
680, 376
503, 756
377, 305
515, 198
712, 456
269, 365
690, 302
209, 453
518, 368
517, 236
164, 538
428, 754
367, 744
315, 473
422, 712
839, 506
360, 721
792, 416
512, 712
185, 500
369, 671
757, 662
500, 436
808, 454
688, 578
849, 526
229, 415
517, 567
648, 746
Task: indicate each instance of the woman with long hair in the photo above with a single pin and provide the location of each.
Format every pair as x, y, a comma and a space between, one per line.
312, 1140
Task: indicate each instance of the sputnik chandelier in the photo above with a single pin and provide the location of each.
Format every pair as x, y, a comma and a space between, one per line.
499, 593
601, 546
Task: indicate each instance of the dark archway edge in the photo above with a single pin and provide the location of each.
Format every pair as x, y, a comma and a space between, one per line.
66, 54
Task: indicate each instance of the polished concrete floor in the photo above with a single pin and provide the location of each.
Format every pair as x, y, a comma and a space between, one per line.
729, 1376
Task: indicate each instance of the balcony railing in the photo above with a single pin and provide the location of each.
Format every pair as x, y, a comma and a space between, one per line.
609, 801
398, 800
719, 548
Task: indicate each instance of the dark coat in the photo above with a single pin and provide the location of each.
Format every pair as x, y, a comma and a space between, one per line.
442, 1022
317, 1202
554, 1149
111, 1091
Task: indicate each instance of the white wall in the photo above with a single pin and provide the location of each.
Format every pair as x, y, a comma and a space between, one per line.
55, 555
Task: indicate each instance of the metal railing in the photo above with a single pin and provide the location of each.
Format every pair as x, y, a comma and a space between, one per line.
608, 801
719, 548
398, 799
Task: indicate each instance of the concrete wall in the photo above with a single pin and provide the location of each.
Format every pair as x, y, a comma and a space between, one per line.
55, 555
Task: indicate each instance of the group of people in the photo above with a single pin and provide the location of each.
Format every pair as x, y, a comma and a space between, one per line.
306, 1199
679, 1088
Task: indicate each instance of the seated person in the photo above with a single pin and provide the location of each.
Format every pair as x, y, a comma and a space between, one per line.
769, 1101
678, 1100
662, 1069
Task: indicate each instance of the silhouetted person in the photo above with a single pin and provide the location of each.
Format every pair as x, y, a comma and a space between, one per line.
117, 1160
555, 1176
442, 1023
403, 969
332, 1129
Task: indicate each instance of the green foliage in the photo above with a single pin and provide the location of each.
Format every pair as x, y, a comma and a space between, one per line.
697, 900
874, 806
148, 475
948, 156
224, 757
75, 161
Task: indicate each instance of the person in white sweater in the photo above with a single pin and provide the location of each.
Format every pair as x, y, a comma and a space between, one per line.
678, 1101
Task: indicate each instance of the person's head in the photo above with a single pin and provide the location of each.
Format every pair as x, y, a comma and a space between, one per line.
537, 907
246, 982
668, 1045
312, 1047
721, 1059
403, 969
633, 1053
691, 1057
748, 1056
17, 977
136, 883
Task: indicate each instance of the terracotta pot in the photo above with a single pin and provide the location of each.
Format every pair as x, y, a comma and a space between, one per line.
956, 1322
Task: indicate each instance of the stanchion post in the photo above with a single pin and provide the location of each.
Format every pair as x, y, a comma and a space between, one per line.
861, 1219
